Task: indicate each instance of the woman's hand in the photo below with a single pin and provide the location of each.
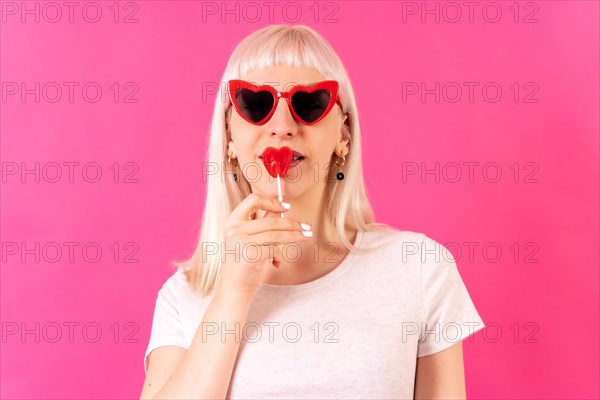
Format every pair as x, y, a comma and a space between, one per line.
251, 246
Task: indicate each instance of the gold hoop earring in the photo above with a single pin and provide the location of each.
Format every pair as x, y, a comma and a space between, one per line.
235, 176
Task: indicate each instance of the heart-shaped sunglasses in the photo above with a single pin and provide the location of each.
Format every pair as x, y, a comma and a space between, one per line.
308, 104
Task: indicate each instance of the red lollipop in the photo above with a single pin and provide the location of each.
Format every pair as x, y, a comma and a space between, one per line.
277, 161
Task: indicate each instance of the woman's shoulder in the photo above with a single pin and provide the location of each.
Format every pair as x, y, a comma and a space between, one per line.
178, 290
406, 242
392, 235
175, 282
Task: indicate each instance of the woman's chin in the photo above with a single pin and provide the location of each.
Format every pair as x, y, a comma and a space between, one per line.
289, 190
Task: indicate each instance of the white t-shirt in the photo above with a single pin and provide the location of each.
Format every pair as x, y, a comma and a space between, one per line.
355, 332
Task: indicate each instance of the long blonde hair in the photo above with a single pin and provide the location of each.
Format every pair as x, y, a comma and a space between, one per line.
295, 46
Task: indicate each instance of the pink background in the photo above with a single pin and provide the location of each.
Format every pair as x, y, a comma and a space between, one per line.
542, 335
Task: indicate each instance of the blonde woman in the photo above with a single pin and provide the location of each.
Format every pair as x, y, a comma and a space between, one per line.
309, 297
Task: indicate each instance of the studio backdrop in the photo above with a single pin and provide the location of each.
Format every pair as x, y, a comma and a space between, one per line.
480, 128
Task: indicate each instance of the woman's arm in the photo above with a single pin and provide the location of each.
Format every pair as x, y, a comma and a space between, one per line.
204, 370
441, 375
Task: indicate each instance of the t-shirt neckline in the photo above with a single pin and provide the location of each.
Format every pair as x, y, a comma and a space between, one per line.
330, 276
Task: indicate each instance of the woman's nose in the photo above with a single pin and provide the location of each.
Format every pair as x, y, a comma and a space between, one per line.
282, 121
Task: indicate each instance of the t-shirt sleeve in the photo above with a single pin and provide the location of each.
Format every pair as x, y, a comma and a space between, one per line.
167, 326
450, 315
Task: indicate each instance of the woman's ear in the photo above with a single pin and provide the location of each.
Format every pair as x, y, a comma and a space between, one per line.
345, 130
347, 119
226, 119
230, 148
343, 148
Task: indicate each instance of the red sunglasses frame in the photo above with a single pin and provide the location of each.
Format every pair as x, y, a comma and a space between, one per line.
332, 86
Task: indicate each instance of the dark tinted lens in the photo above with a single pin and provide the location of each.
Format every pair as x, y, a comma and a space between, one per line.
310, 106
254, 105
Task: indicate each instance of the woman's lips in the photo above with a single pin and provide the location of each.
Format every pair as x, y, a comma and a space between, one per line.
293, 163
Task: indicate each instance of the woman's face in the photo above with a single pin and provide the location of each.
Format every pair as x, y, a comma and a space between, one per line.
317, 143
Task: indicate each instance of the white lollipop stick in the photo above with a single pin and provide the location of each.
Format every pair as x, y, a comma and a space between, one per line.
279, 196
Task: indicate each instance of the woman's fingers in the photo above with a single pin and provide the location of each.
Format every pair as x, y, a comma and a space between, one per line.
257, 242
278, 237
264, 252
252, 203
275, 224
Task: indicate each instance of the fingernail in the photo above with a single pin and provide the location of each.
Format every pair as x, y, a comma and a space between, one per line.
304, 226
287, 206
307, 233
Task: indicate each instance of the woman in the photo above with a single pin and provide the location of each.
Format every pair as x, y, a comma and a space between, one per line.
306, 298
